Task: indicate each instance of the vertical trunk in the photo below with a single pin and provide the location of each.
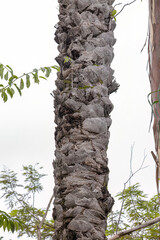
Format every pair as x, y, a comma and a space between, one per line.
82, 107
154, 71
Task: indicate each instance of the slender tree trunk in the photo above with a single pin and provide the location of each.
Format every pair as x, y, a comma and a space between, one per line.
154, 70
154, 63
154, 73
82, 114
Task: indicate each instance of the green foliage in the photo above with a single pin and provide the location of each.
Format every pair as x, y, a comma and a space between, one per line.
24, 217
67, 59
32, 178
158, 98
11, 82
20, 199
153, 105
31, 216
113, 14
136, 210
10, 223
56, 68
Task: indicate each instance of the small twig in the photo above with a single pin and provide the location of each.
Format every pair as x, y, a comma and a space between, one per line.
140, 168
131, 172
124, 7
129, 231
52, 94
43, 219
112, 221
145, 42
23, 203
117, 5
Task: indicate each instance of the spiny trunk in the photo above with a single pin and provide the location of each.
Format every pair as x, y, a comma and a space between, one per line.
154, 73
82, 107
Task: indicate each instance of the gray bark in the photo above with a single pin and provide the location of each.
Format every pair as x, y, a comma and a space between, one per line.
82, 114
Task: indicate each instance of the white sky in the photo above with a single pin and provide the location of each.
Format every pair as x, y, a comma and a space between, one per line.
27, 122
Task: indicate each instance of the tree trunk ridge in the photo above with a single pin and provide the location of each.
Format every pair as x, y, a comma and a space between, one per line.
85, 41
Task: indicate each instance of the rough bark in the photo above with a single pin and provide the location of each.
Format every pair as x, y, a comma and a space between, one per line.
154, 74
82, 113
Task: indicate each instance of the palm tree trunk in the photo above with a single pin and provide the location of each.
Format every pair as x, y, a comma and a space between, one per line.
154, 71
82, 113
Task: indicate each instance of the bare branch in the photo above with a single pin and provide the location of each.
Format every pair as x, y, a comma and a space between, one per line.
124, 7
129, 231
43, 219
117, 4
131, 175
145, 43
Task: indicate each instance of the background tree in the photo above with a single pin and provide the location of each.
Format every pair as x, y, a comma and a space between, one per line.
26, 219
20, 199
154, 75
9, 223
137, 209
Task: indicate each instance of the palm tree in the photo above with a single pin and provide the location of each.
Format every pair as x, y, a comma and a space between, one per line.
154, 74
82, 113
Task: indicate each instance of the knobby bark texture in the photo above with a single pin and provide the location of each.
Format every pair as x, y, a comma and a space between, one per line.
154, 71
82, 113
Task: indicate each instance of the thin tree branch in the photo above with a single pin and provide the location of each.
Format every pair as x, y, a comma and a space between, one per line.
39, 226
145, 43
129, 231
131, 172
131, 175
117, 5
124, 7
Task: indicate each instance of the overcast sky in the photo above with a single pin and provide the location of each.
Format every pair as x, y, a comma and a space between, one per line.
27, 122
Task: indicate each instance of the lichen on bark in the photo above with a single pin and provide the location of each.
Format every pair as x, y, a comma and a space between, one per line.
82, 113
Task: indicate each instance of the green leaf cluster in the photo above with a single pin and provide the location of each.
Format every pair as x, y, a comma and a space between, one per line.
9, 223
24, 217
21, 199
10, 82
137, 209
